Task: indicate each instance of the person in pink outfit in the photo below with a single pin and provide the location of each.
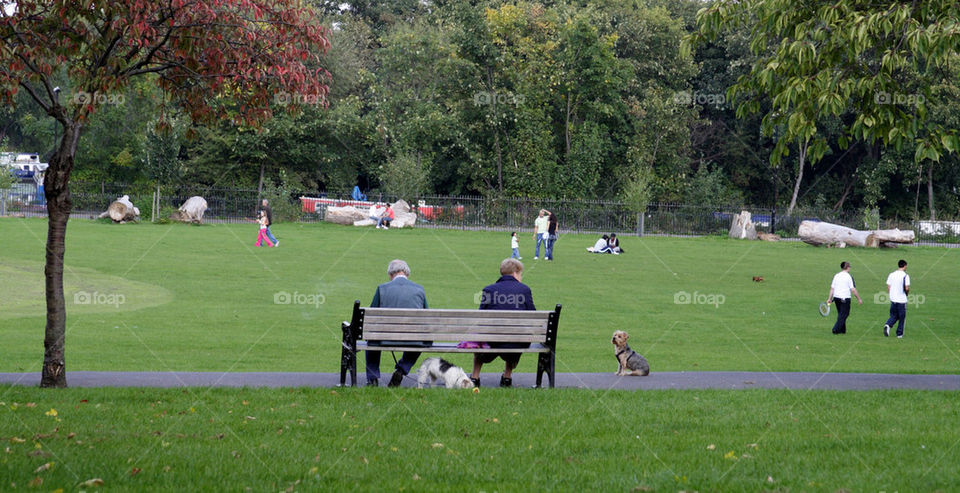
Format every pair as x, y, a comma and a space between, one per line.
262, 235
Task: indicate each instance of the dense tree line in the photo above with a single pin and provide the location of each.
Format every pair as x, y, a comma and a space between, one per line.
577, 99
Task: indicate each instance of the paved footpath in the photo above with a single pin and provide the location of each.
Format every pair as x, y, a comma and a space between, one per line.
598, 381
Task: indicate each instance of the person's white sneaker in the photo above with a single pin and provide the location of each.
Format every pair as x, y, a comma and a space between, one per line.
535, 258
899, 337
886, 331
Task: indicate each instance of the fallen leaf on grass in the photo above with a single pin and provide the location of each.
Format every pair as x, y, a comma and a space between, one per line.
416, 477
752, 445
51, 412
30, 404
35, 482
730, 455
314, 470
711, 446
44, 467
251, 418
437, 445
71, 435
135, 471
364, 459
16, 440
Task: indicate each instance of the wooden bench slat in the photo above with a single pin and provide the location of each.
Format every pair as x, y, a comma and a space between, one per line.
452, 348
454, 329
448, 313
463, 322
420, 336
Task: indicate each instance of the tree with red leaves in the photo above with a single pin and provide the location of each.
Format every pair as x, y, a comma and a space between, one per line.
213, 59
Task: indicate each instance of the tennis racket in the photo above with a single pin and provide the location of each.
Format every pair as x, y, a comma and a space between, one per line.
824, 309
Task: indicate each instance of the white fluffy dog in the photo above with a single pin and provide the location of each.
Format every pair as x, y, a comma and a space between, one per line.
433, 369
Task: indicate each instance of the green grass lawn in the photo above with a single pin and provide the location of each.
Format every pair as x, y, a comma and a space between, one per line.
438, 440
178, 297
174, 297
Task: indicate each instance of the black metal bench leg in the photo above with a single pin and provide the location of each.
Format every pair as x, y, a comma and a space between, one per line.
541, 368
348, 356
551, 372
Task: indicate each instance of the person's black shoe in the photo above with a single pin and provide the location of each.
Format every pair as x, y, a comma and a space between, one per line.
373, 383
476, 382
396, 379
506, 382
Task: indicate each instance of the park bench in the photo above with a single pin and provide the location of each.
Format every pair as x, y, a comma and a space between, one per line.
440, 331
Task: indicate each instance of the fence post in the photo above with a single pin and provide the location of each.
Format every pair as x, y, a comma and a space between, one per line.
773, 220
640, 216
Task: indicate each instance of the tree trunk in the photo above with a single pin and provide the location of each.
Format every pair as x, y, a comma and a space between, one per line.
796, 187
59, 204
933, 212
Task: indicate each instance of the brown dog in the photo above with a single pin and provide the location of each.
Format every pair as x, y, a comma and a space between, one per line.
630, 362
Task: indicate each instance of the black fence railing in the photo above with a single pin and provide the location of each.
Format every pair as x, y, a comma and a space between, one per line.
473, 212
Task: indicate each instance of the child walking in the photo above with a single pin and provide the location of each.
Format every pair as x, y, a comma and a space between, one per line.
262, 235
515, 245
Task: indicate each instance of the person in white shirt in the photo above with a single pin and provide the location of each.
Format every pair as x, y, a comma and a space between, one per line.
898, 285
601, 246
840, 290
540, 226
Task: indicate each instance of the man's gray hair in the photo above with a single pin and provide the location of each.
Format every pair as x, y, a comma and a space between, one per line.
398, 266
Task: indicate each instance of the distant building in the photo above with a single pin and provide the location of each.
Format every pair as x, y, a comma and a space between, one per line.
24, 165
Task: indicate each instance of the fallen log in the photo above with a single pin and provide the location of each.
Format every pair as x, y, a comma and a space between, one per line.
820, 233
122, 210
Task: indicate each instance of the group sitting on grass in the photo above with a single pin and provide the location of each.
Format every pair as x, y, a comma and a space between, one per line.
607, 244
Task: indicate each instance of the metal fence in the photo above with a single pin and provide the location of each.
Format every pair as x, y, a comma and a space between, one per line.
475, 212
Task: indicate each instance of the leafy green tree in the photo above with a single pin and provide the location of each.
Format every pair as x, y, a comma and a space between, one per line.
823, 58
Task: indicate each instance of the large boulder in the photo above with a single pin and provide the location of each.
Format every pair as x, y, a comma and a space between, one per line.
191, 211
345, 215
402, 216
742, 227
122, 210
